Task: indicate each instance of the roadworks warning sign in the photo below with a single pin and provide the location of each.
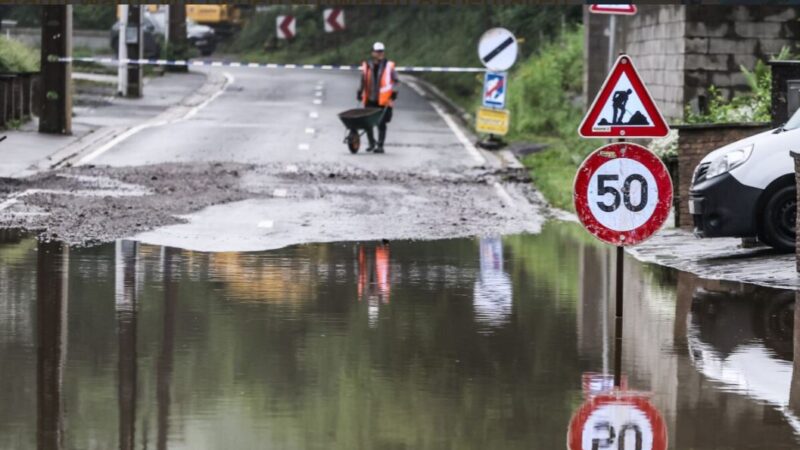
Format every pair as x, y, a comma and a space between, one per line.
492, 121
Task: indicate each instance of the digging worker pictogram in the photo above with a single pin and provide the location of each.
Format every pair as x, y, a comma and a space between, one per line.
618, 102
378, 90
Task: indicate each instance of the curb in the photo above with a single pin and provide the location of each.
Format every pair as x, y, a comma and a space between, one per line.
85, 145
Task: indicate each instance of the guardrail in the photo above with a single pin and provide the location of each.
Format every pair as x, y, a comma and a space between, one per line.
17, 91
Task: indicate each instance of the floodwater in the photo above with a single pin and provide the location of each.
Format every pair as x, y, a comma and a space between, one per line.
456, 344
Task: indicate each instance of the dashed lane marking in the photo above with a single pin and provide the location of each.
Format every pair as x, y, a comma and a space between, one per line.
279, 193
313, 115
310, 131
266, 224
303, 146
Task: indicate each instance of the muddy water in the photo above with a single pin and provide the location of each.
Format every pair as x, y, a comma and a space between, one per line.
460, 344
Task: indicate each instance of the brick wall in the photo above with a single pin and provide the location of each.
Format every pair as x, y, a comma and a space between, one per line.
694, 143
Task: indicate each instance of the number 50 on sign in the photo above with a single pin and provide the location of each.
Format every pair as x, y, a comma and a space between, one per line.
623, 193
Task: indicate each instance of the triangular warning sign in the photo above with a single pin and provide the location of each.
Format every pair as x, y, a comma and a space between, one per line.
623, 108
613, 8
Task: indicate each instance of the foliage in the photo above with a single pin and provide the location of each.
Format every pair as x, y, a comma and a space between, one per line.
544, 101
752, 106
92, 17
17, 57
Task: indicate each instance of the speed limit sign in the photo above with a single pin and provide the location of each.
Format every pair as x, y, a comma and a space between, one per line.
623, 193
622, 421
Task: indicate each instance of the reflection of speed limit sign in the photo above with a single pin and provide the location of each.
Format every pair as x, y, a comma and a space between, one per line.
623, 193
623, 421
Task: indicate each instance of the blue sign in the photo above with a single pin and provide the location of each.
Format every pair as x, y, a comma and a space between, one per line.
494, 90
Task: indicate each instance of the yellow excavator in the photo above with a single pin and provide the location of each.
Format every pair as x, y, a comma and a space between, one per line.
224, 19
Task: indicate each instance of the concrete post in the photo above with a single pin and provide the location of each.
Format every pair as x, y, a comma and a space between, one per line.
177, 47
135, 51
56, 98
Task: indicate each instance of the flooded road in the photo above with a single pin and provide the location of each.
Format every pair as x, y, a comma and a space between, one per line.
466, 343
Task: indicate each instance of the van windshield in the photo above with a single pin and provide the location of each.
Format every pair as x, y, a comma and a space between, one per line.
794, 121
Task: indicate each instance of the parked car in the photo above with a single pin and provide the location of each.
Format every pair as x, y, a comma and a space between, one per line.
201, 37
747, 188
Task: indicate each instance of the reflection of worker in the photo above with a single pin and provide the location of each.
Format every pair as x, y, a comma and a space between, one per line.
373, 274
378, 94
619, 101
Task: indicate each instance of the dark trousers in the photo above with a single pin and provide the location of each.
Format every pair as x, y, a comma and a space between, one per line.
387, 117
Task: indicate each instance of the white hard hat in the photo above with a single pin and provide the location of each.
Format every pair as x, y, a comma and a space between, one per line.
378, 47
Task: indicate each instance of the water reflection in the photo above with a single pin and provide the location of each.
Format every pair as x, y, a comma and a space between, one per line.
493, 291
742, 338
448, 344
51, 343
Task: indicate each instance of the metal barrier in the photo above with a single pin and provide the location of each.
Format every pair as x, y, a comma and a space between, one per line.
17, 91
179, 62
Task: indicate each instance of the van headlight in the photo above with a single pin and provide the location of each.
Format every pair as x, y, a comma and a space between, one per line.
729, 161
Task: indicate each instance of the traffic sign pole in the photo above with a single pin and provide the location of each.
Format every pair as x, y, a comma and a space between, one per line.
618, 318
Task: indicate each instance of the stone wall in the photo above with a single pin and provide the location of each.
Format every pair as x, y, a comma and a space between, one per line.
722, 39
694, 143
681, 51
654, 40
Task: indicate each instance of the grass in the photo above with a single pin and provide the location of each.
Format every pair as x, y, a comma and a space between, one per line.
546, 107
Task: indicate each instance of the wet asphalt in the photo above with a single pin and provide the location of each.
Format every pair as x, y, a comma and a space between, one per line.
257, 161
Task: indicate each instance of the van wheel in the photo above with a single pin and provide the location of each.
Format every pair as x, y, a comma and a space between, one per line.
779, 219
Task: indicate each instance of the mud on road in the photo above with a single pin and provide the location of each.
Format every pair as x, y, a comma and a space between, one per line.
93, 204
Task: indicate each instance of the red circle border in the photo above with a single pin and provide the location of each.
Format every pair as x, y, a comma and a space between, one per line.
663, 181
639, 400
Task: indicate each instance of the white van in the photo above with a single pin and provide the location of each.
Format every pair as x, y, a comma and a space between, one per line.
747, 189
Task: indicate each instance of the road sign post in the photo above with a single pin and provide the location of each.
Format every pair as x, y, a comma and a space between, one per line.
497, 50
623, 195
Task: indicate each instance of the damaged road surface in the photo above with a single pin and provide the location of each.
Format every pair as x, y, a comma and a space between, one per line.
260, 164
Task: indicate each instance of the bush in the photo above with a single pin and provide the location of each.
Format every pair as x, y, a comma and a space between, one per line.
17, 57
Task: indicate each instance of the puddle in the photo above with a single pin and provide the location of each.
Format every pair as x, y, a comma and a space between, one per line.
463, 343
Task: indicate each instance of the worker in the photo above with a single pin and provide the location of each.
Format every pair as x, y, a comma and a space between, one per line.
380, 93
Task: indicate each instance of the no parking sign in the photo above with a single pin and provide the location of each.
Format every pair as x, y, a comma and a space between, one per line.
623, 193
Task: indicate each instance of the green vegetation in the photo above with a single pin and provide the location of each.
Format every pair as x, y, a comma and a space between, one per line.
750, 106
17, 57
413, 36
545, 104
84, 17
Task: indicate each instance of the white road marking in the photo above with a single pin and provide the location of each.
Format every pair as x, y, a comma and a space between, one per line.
303, 146
229, 79
279, 193
313, 115
291, 168
473, 152
503, 194
310, 131
317, 101
318, 93
266, 224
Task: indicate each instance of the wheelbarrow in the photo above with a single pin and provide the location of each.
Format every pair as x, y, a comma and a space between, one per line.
357, 121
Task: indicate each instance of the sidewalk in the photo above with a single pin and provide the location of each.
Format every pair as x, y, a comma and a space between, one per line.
26, 151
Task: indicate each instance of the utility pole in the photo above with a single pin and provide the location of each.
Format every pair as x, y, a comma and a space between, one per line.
56, 100
176, 41
135, 47
122, 52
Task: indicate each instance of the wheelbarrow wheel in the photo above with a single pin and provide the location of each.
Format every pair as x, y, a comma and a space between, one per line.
353, 141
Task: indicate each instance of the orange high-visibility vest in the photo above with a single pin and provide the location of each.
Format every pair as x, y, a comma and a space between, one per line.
386, 86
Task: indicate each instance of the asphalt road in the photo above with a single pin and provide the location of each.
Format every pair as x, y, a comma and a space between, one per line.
290, 116
254, 159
